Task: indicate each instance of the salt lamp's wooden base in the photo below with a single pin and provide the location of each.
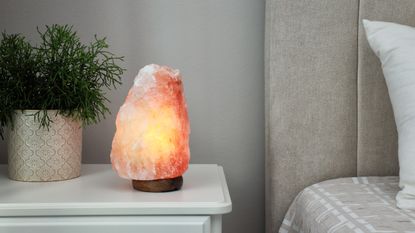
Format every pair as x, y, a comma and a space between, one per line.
162, 185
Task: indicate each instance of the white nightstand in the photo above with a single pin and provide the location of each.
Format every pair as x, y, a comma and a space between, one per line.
99, 201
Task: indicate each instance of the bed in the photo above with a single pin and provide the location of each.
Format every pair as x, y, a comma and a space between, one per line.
329, 119
358, 204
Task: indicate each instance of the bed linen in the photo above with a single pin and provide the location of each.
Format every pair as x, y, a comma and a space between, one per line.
356, 204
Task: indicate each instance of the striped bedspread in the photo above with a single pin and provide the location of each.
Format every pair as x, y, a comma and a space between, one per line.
358, 204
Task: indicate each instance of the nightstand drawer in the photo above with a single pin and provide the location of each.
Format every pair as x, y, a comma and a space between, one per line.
107, 224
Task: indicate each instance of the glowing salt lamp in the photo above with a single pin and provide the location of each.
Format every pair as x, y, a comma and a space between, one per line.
151, 143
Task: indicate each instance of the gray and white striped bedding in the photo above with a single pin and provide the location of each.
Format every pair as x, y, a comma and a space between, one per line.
358, 204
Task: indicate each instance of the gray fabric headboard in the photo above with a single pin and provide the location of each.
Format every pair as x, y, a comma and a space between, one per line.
328, 113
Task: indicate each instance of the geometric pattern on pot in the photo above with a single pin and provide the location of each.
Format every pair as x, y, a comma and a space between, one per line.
38, 154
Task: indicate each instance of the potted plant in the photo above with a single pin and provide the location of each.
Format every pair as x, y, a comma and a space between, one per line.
48, 93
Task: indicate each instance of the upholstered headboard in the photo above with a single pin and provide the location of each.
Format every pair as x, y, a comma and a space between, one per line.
328, 113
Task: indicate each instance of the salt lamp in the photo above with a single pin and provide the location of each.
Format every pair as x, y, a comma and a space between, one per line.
151, 142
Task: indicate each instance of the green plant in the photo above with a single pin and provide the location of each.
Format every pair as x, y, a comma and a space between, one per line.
60, 73
18, 72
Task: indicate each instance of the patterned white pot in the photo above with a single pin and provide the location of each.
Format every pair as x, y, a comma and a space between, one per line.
38, 154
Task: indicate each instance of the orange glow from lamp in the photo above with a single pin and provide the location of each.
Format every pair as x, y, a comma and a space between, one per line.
151, 143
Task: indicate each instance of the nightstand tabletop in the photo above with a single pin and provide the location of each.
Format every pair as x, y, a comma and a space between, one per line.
100, 191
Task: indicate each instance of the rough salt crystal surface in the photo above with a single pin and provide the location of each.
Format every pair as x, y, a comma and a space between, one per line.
152, 127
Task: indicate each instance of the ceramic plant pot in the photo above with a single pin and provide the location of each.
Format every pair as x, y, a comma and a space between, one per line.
40, 154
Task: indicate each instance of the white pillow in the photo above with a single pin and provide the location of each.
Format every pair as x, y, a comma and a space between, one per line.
394, 44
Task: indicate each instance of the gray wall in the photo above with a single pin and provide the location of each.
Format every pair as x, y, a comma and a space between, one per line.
218, 46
